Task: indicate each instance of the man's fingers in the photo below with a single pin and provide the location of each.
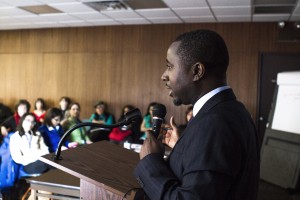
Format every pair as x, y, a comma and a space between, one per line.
149, 135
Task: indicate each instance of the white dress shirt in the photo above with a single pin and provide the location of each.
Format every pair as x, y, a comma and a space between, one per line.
198, 105
27, 148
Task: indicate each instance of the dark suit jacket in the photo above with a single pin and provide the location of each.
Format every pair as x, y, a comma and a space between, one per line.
217, 157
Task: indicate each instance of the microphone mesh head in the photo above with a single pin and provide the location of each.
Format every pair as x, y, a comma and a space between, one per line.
159, 110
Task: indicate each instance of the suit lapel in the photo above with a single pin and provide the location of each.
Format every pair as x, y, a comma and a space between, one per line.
222, 96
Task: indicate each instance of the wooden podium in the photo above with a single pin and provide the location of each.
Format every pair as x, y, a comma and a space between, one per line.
105, 170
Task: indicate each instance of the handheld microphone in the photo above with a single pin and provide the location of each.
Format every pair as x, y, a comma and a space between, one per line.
159, 113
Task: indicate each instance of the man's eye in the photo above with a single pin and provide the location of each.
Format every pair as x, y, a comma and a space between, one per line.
169, 66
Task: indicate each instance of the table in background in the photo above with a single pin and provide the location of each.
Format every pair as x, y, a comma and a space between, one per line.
61, 184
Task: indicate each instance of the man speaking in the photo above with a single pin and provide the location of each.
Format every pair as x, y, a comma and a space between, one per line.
217, 156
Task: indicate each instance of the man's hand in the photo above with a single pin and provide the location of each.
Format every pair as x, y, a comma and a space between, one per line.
151, 145
171, 136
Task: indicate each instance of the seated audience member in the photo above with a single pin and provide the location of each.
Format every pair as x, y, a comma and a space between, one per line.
101, 116
78, 135
27, 145
119, 135
64, 104
10, 124
147, 120
5, 112
9, 171
52, 131
39, 110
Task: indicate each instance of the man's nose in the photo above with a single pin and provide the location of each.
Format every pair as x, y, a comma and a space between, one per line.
164, 77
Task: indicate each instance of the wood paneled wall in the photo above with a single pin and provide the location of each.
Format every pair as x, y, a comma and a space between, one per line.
121, 64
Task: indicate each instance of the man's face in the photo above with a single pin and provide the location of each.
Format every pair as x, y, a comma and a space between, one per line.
178, 78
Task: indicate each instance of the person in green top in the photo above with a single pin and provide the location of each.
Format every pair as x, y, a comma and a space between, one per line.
147, 120
101, 116
78, 135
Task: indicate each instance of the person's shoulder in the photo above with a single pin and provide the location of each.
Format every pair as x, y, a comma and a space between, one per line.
42, 127
93, 116
15, 135
9, 119
15, 140
66, 123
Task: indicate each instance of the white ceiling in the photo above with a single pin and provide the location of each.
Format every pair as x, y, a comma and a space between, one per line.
77, 14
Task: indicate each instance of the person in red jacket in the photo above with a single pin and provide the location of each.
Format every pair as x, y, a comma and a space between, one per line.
11, 123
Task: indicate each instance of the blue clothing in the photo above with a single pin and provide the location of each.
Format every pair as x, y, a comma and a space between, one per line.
9, 170
52, 136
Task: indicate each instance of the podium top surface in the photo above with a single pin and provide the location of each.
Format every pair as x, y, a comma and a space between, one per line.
102, 163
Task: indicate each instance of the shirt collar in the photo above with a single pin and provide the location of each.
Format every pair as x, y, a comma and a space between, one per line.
199, 104
50, 128
27, 135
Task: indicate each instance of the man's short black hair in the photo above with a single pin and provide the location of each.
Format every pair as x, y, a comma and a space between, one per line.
206, 47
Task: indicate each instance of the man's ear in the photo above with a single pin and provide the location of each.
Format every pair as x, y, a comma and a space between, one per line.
198, 71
